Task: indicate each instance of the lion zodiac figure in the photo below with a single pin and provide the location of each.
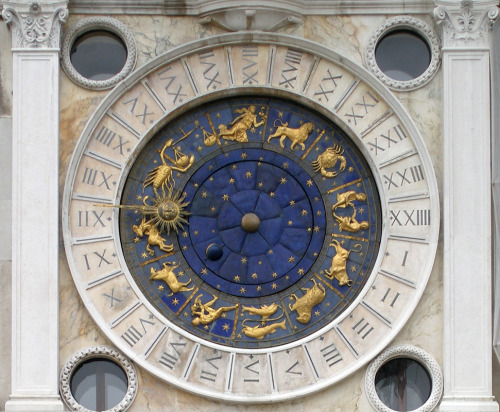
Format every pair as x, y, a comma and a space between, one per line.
297, 136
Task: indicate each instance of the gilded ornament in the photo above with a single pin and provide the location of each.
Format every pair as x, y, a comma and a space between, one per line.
304, 305
258, 332
203, 313
329, 159
265, 310
168, 275
349, 223
149, 229
338, 268
296, 136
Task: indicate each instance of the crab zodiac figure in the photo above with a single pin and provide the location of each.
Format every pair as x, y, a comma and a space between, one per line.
241, 124
204, 313
329, 159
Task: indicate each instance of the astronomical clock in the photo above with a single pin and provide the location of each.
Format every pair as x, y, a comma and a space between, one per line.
252, 219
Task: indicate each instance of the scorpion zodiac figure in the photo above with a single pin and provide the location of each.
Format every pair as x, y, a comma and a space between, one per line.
162, 176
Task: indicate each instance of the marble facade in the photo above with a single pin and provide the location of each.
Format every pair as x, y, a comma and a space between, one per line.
439, 324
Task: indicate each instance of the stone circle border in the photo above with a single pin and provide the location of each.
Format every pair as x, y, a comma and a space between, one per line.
98, 352
405, 351
99, 23
408, 23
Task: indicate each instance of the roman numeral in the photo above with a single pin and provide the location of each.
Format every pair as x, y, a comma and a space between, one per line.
212, 374
394, 299
111, 297
132, 335
170, 360
330, 82
211, 73
101, 256
289, 74
94, 177
249, 55
142, 113
416, 217
361, 108
256, 372
363, 328
331, 355
107, 137
408, 175
291, 369
172, 90
383, 142
87, 217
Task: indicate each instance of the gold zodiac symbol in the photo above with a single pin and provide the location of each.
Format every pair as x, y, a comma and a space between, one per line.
154, 239
259, 332
170, 278
338, 268
304, 305
264, 311
349, 223
329, 159
297, 136
162, 176
204, 314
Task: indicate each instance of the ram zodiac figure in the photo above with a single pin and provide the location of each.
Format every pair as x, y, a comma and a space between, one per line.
296, 136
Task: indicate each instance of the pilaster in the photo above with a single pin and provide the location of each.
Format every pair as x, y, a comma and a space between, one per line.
35, 221
467, 300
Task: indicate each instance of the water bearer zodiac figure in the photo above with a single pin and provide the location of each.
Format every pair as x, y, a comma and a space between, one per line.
203, 313
162, 176
349, 223
241, 124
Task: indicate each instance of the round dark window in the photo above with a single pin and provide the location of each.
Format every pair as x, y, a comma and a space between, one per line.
98, 384
403, 384
98, 55
403, 55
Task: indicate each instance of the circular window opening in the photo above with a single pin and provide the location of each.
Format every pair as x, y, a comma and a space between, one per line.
403, 384
403, 55
98, 55
98, 384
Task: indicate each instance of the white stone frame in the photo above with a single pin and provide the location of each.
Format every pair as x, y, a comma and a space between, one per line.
411, 352
404, 23
98, 352
99, 23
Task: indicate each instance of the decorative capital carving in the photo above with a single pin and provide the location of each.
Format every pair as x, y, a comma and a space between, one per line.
467, 23
35, 24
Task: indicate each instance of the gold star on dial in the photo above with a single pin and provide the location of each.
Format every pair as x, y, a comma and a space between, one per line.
225, 197
274, 285
304, 212
231, 180
204, 194
275, 275
137, 240
204, 271
248, 174
283, 180
291, 259
236, 278
260, 184
244, 155
259, 288
161, 287
242, 291
300, 271
175, 301
225, 327
271, 194
290, 223
244, 260
292, 202
309, 182
254, 275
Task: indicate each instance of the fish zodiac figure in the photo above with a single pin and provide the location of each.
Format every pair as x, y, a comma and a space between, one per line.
170, 278
264, 311
297, 136
304, 305
338, 268
204, 313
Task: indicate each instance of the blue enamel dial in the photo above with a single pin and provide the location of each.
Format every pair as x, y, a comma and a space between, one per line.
250, 222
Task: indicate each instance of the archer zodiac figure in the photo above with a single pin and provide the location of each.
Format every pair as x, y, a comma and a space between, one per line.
204, 313
162, 176
241, 124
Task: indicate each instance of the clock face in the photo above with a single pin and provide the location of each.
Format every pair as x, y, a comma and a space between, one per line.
269, 219
250, 221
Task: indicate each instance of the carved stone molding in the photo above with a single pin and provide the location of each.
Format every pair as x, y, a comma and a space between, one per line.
96, 352
234, 20
467, 23
34, 25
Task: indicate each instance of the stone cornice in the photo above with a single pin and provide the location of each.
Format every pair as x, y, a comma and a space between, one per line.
35, 24
466, 23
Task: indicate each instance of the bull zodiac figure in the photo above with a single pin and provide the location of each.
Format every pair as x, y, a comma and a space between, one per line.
162, 176
297, 136
329, 159
170, 278
148, 228
304, 305
338, 268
